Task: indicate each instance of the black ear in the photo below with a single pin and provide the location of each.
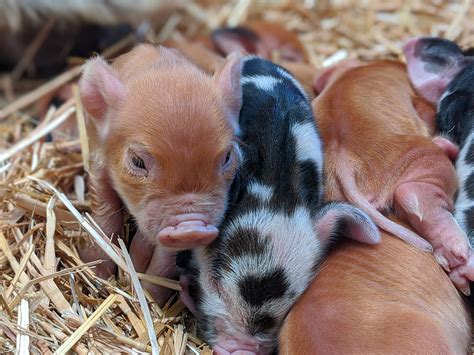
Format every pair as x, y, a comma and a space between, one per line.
235, 39
432, 64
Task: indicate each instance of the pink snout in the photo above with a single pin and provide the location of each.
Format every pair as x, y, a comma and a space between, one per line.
188, 231
220, 351
247, 346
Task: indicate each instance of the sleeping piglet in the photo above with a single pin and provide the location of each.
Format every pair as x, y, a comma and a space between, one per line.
387, 299
162, 146
383, 159
263, 38
229, 40
442, 73
277, 229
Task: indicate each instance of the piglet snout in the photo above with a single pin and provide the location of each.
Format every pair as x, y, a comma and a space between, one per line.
241, 346
220, 351
188, 231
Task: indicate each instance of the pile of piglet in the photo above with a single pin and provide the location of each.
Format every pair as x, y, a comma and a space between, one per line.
303, 211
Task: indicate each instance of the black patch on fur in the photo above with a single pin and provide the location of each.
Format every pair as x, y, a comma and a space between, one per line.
261, 322
470, 155
456, 111
469, 186
243, 242
437, 53
310, 185
256, 290
183, 259
269, 147
469, 218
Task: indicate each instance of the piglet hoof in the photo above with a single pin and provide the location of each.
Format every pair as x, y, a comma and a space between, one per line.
452, 252
464, 274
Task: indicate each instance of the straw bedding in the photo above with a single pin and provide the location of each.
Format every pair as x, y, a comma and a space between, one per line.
50, 301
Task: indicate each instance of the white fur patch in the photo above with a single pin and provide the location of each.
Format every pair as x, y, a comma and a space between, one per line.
263, 82
261, 191
293, 80
294, 246
308, 144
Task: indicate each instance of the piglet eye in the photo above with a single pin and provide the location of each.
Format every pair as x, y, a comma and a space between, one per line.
227, 157
138, 162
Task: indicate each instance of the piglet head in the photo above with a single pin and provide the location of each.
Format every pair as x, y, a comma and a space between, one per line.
435, 67
242, 286
166, 133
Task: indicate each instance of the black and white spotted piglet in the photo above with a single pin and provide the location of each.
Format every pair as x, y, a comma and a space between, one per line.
277, 229
444, 74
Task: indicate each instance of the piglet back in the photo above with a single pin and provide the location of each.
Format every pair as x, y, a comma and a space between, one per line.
282, 148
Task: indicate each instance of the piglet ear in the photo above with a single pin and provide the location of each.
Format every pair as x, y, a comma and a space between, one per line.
228, 82
341, 218
333, 72
432, 64
236, 39
100, 88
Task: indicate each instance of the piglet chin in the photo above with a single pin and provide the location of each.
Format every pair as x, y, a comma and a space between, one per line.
188, 234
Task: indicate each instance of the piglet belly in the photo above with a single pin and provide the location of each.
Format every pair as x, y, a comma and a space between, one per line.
188, 234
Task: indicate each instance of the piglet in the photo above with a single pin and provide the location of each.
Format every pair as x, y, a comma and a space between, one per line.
442, 73
207, 58
163, 146
264, 38
382, 158
277, 230
387, 299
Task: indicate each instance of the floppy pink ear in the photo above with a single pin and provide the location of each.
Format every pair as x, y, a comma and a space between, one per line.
228, 82
100, 88
236, 39
342, 218
432, 64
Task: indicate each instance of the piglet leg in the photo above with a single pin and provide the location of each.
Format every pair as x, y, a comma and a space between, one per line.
141, 252
428, 209
185, 296
162, 264
107, 212
463, 274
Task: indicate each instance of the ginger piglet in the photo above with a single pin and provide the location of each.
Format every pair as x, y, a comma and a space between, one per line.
163, 147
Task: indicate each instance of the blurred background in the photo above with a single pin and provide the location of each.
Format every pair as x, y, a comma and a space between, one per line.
40, 39
43, 44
